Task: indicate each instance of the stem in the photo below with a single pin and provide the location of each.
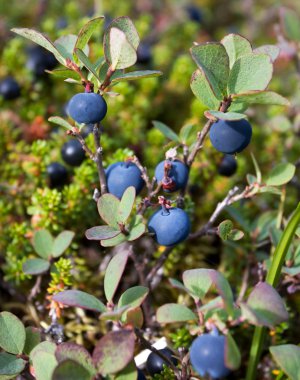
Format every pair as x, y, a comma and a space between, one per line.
108, 76
98, 158
272, 279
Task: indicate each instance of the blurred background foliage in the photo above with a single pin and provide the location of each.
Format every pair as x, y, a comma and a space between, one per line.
29, 143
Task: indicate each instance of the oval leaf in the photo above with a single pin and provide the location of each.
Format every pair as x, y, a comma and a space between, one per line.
33, 338
260, 97
35, 266
86, 32
113, 274
62, 242
43, 243
108, 206
60, 121
287, 356
80, 299
10, 364
122, 53
203, 90
251, 72
236, 47
114, 351
101, 233
281, 174
70, 369
165, 130
226, 115
113, 241
12, 333
271, 50
232, 353
43, 360
172, 312
126, 204
133, 297
133, 75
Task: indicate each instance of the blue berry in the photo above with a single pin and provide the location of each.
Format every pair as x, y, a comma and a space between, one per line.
73, 153
58, 174
228, 166
39, 60
87, 108
141, 375
207, 355
170, 226
9, 88
155, 363
230, 136
177, 175
144, 54
121, 175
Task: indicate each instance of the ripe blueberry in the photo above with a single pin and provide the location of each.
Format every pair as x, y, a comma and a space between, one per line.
9, 88
57, 173
87, 108
170, 226
144, 55
73, 153
155, 363
228, 166
121, 175
207, 355
39, 60
230, 136
173, 175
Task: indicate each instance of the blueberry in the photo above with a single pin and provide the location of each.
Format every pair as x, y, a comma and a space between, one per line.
141, 375
155, 363
170, 226
121, 175
230, 136
73, 153
177, 175
58, 174
207, 355
86, 130
228, 166
194, 13
87, 108
144, 54
9, 88
39, 60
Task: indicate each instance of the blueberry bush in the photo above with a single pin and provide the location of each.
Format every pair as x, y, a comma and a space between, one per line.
149, 191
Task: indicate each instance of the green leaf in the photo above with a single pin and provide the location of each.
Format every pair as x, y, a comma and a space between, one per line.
114, 315
10, 364
62, 242
257, 169
80, 299
108, 206
186, 131
290, 23
165, 130
128, 373
203, 91
287, 356
232, 353
260, 97
271, 50
137, 229
60, 121
43, 243
101, 233
70, 369
236, 47
87, 31
122, 54
43, 360
266, 305
114, 351
12, 333
66, 44
76, 353
281, 174
225, 228
126, 204
33, 338
198, 282
227, 115
206, 56
236, 235
133, 297
41, 40
113, 274
64, 73
113, 241
133, 75
87, 63
251, 72
172, 312
35, 266
125, 25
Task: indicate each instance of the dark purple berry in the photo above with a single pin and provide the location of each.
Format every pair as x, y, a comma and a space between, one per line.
155, 363
9, 88
39, 60
228, 166
73, 153
58, 175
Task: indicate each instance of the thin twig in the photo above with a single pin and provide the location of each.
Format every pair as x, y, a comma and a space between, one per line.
36, 288
107, 78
